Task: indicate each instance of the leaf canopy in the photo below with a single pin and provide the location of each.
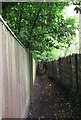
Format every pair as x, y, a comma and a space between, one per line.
41, 27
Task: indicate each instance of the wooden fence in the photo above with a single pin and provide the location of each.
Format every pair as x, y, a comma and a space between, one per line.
16, 75
67, 72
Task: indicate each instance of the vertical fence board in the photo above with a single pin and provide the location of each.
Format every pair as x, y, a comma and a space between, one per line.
13, 78
79, 73
5, 77
73, 65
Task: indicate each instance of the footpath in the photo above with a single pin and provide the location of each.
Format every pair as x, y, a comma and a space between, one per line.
48, 101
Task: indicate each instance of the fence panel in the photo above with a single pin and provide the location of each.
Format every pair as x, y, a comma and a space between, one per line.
15, 72
67, 72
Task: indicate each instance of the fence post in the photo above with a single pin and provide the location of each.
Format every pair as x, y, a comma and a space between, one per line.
76, 63
80, 32
31, 72
60, 70
71, 81
1, 71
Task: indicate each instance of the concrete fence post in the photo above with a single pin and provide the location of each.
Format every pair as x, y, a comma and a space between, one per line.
80, 32
1, 76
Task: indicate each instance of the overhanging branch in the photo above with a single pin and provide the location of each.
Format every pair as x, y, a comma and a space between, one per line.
37, 15
42, 34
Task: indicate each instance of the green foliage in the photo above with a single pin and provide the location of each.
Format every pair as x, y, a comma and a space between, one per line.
41, 27
52, 54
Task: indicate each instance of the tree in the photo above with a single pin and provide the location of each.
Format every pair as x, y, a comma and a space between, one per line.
41, 27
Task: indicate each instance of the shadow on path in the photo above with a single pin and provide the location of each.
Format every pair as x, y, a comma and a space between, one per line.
47, 100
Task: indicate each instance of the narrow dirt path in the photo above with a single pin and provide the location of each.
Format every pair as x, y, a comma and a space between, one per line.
47, 101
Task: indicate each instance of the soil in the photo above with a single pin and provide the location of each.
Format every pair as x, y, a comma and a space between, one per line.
47, 100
